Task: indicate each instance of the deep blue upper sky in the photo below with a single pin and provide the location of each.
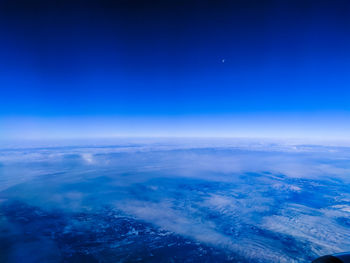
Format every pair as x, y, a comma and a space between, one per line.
173, 58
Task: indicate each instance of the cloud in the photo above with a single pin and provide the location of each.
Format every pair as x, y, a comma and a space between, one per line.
251, 198
88, 157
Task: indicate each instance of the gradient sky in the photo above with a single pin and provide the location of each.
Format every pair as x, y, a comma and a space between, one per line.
170, 67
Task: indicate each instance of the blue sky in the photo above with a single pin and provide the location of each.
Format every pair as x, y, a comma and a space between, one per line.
156, 68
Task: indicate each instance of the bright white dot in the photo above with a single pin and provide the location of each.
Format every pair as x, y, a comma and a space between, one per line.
223, 60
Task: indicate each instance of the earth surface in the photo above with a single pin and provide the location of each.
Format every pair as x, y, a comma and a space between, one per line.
173, 201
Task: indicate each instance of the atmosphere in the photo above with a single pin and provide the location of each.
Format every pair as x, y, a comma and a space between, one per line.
233, 64
174, 131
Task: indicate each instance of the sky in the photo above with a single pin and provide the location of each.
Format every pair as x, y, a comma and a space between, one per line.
241, 68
